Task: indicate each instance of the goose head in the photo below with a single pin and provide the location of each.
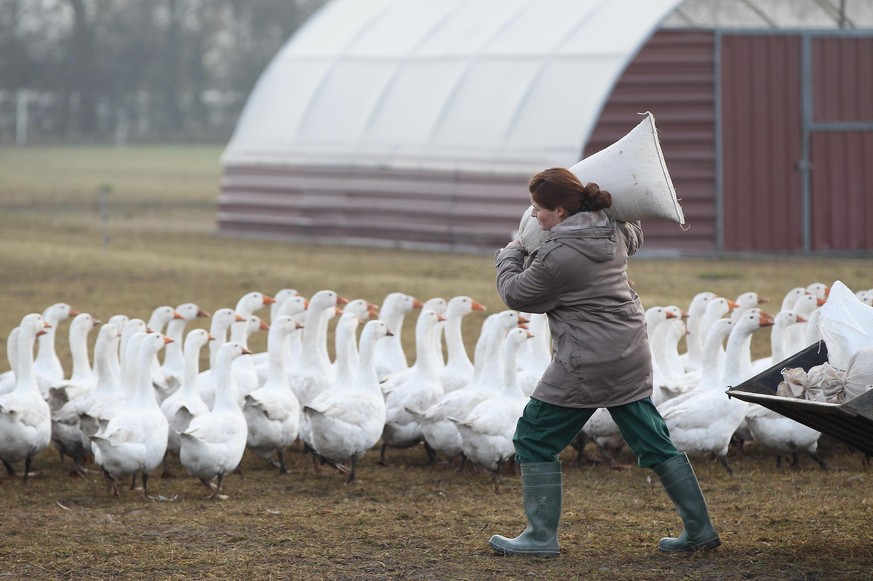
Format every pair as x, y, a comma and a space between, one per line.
437, 305
463, 305
118, 321
196, 339
58, 312
363, 309
252, 301
190, 311
161, 316
293, 306
819, 289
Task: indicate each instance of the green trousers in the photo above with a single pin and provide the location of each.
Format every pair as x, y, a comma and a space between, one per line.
544, 430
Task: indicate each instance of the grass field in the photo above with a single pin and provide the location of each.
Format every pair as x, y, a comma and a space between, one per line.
406, 519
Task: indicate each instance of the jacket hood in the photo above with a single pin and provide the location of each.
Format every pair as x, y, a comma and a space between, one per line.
592, 234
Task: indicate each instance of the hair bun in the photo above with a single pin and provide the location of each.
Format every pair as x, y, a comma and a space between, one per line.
597, 199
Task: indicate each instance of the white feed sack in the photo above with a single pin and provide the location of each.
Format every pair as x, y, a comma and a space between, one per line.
845, 324
633, 170
846, 327
859, 374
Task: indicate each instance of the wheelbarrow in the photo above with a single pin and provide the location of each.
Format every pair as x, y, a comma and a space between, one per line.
850, 422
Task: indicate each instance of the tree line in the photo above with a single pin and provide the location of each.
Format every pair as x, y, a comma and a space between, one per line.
138, 71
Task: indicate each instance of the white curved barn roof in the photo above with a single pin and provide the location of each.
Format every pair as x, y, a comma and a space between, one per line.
484, 85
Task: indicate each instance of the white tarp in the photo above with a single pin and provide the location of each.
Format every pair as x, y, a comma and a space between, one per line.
484, 85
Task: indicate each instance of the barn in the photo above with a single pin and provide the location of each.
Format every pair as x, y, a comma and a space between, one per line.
416, 123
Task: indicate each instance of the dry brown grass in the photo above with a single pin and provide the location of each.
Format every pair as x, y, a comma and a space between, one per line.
403, 520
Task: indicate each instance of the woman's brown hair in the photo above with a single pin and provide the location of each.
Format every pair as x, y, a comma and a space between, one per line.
559, 187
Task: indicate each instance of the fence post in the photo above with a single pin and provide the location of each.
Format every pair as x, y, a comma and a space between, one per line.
103, 195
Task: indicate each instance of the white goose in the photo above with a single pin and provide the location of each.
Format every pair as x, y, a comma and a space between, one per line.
812, 334
674, 379
439, 306
703, 421
791, 297
363, 309
173, 367
119, 322
692, 358
346, 343
716, 309
390, 357
279, 298
348, 420
713, 365
655, 317
82, 378
313, 372
294, 307
441, 433
795, 337
157, 323
246, 306
458, 370
222, 319
243, 367
783, 436
603, 431
135, 439
487, 430
106, 399
47, 366
745, 301
185, 403
819, 289
535, 355
67, 433
781, 323
272, 412
25, 418
214, 443
7, 378
131, 327
416, 388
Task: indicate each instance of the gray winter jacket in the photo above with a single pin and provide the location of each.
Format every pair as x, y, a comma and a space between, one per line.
600, 352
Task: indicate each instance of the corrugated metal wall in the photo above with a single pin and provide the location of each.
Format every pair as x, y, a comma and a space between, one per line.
673, 77
412, 209
762, 143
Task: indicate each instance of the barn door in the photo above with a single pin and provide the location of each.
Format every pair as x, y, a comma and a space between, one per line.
797, 142
841, 144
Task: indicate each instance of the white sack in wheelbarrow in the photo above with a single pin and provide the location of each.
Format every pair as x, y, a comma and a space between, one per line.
633, 170
845, 324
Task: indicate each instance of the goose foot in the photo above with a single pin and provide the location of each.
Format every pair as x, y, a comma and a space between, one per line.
820, 460
727, 466
78, 471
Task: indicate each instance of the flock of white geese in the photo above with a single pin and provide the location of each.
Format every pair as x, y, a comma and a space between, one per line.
128, 406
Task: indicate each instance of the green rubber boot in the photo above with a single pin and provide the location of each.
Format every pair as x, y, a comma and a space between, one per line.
543, 488
678, 479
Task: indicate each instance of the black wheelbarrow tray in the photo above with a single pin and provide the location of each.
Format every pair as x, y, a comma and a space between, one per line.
850, 422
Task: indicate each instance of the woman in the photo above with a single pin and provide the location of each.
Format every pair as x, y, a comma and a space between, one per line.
601, 358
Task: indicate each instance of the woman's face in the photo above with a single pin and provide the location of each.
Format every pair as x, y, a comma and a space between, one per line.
548, 219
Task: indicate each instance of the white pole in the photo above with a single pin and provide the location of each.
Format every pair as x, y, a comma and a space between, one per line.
103, 195
21, 98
